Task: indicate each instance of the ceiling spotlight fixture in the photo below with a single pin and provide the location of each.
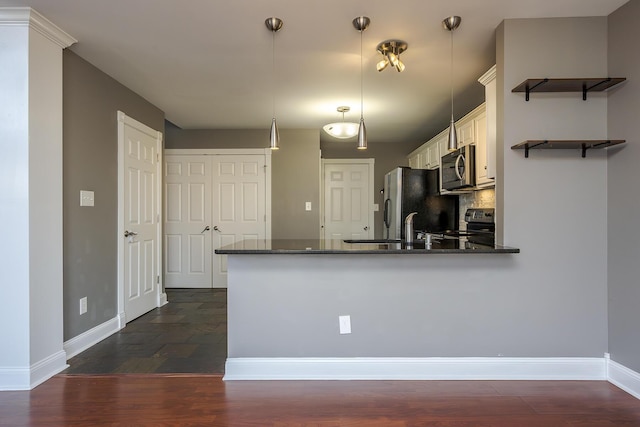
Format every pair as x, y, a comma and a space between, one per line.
274, 25
450, 24
342, 130
361, 23
391, 50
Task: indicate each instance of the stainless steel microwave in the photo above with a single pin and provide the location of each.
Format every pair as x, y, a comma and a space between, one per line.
458, 168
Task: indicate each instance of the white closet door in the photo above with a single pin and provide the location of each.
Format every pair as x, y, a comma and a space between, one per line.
187, 202
239, 210
347, 201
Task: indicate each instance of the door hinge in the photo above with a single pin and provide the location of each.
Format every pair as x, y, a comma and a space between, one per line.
157, 157
158, 280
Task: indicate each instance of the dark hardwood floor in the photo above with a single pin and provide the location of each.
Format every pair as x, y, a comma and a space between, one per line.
188, 335
123, 381
205, 400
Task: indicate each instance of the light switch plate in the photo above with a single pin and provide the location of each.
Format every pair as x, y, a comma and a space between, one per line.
376, 207
307, 206
86, 198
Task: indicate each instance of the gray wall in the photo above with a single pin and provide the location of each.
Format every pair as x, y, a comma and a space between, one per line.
623, 189
553, 205
295, 172
90, 145
386, 156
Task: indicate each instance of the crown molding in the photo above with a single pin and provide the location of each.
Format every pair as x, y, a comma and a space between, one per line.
26, 16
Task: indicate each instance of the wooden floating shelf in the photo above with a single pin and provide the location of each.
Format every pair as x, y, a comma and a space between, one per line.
549, 144
567, 85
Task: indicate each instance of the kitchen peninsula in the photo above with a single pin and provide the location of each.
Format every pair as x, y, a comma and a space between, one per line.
404, 305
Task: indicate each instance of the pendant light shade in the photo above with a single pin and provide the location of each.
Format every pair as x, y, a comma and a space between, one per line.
450, 24
362, 135
274, 136
274, 25
361, 23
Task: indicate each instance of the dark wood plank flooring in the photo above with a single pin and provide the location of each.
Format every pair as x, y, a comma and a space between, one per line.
182, 399
188, 335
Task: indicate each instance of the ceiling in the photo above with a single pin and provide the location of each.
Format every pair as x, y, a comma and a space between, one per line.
208, 63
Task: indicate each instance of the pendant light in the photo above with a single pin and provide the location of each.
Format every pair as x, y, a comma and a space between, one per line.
274, 25
361, 23
451, 23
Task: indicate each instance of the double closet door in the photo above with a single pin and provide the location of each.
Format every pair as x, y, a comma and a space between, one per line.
210, 201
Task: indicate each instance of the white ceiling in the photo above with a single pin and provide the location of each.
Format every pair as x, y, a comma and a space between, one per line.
208, 63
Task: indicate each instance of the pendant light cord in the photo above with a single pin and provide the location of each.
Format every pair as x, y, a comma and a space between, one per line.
451, 77
273, 72
361, 79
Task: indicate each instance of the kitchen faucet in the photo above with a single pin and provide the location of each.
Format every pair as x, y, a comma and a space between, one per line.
408, 227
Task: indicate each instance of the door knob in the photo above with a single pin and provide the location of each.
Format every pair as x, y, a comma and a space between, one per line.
128, 233
366, 227
215, 227
207, 228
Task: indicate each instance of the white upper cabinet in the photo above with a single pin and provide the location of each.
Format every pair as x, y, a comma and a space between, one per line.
491, 103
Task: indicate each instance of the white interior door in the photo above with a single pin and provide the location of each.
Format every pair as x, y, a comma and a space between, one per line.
239, 206
140, 260
348, 208
187, 226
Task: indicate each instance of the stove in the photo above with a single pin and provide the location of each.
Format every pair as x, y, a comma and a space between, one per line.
481, 226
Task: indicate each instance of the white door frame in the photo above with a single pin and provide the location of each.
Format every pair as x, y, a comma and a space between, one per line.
161, 296
371, 163
266, 152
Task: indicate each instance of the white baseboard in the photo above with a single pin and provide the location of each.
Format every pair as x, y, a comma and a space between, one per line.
48, 367
36, 374
162, 299
429, 368
91, 337
623, 377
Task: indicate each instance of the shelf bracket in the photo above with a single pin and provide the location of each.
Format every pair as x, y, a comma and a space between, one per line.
527, 148
586, 89
529, 89
584, 150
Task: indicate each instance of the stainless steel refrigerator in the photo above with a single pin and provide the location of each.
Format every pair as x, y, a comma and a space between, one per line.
409, 190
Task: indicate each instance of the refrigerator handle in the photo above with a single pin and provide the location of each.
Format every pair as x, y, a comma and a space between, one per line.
387, 202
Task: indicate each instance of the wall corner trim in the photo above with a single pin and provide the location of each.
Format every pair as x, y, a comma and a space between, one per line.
80, 343
21, 378
407, 368
623, 377
26, 16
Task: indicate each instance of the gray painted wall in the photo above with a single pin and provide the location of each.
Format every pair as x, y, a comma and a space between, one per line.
295, 172
553, 205
90, 145
623, 189
386, 157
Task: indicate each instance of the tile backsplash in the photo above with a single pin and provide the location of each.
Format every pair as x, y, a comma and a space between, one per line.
476, 199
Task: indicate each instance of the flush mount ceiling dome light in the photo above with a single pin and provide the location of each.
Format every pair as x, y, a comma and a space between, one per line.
342, 130
391, 50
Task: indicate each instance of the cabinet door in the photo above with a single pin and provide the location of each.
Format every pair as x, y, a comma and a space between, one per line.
414, 161
480, 124
466, 133
433, 155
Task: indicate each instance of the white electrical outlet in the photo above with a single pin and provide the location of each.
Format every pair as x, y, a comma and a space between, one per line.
83, 305
345, 324
307, 206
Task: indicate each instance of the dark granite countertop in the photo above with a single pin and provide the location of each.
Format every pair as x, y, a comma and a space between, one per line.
319, 247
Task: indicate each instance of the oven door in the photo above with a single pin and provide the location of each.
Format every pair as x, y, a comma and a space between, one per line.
458, 168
